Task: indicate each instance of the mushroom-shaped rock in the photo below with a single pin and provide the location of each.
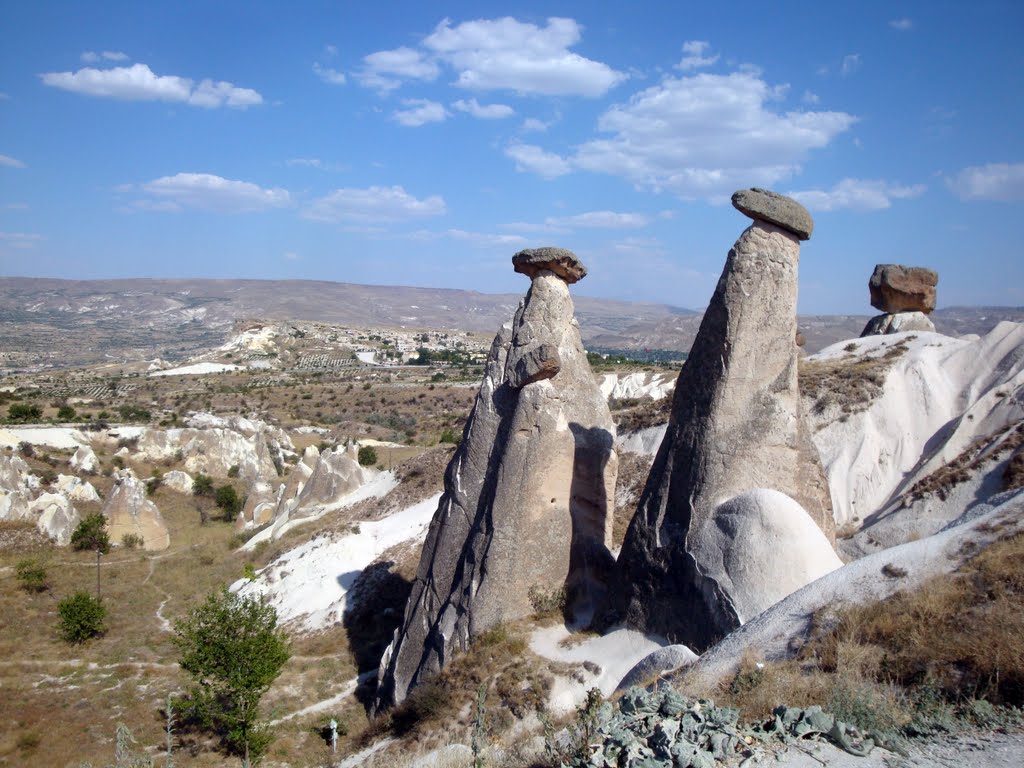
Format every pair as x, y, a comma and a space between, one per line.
528, 496
896, 288
736, 425
900, 322
561, 261
765, 205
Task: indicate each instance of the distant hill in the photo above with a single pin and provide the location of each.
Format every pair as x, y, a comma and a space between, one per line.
79, 322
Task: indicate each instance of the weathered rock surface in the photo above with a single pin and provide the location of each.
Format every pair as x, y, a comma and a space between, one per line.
896, 288
899, 322
129, 511
179, 481
760, 547
76, 489
528, 494
14, 505
335, 475
85, 460
735, 426
666, 659
765, 205
15, 474
562, 262
56, 517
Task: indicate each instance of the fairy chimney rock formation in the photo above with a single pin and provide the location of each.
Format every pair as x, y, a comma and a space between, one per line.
735, 434
905, 295
529, 494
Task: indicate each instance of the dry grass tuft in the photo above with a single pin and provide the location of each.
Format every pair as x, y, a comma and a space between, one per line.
1013, 475
847, 383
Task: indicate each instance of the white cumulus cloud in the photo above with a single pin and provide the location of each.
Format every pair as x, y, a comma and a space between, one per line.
477, 238
419, 112
506, 54
373, 204
694, 57
212, 193
385, 70
857, 194
902, 25
851, 63
706, 135
484, 111
600, 220
994, 181
139, 83
11, 162
533, 159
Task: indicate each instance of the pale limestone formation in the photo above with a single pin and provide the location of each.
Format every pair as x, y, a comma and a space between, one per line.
85, 461
335, 475
76, 489
129, 511
178, 481
899, 322
529, 493
55, 516
735, 426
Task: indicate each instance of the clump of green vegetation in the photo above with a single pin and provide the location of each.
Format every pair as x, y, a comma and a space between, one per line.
31, 575
228, 500
82, 617
367, 456
233, 649
132, 541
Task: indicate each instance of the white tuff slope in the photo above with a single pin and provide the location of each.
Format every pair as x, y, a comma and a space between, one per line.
941, 395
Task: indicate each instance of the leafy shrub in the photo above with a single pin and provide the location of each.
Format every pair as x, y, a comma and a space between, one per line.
91, 533
153, 484
66, 413
202, 485
81, 617
23, 412
132, 541
233, 470
367, 456
26, 449
31, 575
449, 436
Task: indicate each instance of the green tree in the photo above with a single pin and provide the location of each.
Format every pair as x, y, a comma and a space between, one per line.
66, 413
234, 650
81, 617
367, 456
227, 499
23, 412
91, 533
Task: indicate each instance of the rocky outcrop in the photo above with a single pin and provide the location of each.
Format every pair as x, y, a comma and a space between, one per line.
528, 494
55, 516
335, 475
85, 461
905, 295
129, 511
735, 427
76, 489
178, 481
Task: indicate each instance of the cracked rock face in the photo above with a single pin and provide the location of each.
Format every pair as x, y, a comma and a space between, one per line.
529, 493
735, 427
129, 511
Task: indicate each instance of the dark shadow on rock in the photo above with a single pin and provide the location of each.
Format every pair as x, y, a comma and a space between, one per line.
373, 611
590, 562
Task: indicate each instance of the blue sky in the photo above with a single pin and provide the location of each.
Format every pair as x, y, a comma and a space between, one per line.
424, 143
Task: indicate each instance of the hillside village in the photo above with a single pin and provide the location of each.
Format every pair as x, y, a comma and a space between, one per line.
502, 550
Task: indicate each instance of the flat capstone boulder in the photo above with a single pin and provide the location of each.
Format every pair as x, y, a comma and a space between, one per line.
765, 205
561, 261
